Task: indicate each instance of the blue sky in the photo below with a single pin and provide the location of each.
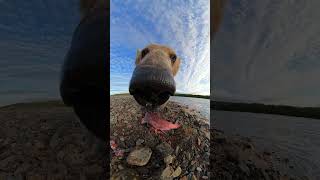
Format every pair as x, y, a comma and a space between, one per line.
180, 24
34, 38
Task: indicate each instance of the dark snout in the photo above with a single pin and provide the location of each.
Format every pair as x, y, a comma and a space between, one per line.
151, 85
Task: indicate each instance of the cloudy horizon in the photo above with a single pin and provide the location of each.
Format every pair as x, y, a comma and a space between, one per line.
182, 25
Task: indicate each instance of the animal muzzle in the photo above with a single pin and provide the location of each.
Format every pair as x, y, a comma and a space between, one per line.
152, 85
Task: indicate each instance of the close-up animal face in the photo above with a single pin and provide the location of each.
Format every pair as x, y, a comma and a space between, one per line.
83, 82
152, 81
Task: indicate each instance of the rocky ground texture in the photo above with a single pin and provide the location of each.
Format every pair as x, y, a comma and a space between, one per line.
183, 153
46, 141
41, 141
140, 153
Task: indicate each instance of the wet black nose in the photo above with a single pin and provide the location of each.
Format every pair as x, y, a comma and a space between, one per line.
151, 85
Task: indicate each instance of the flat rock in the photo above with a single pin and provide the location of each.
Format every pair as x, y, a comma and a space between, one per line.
177, 172
167, 173
140, 156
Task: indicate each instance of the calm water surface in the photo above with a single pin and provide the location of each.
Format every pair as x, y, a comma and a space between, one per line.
202, 105
295, 138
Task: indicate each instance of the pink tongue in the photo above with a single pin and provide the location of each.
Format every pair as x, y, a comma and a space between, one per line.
154, 120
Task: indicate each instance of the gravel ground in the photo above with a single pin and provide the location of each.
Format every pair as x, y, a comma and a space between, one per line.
183, 153
46, 141
180, 153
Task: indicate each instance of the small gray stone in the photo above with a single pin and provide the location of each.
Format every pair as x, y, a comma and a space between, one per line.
139, 142
164, 148
188, 156
120, 167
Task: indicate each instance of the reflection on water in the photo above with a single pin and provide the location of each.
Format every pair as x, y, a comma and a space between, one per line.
294, 138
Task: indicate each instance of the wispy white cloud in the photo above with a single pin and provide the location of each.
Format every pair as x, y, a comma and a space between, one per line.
182, 25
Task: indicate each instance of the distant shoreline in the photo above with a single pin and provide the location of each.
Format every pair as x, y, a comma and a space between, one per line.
177, 94
306, 112
36, 103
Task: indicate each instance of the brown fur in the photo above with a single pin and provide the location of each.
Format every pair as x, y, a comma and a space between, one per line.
159, 56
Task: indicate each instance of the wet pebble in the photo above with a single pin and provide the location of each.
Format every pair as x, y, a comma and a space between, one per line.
177, 150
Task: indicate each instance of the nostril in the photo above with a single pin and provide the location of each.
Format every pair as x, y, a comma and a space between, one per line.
151, 85
163, 97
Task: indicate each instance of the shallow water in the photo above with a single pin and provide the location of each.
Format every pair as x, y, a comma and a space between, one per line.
295, 138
